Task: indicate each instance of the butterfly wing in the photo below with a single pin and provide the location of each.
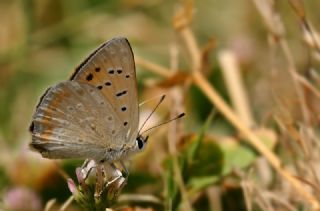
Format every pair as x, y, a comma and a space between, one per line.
94, 111
75, 120
111, 69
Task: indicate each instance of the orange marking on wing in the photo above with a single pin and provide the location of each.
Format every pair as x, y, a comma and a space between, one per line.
48, 115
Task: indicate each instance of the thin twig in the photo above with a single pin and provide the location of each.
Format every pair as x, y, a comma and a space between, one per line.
191, 44
276, 28
139, 198
236, 90
214, 196
308, 85
67, 203
155, 68
49, 205
172, 138
293, 71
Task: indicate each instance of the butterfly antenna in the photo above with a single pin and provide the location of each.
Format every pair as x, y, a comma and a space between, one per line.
155, 108
163, 123
149, 100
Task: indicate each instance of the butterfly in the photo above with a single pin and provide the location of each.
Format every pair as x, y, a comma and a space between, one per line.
95, 114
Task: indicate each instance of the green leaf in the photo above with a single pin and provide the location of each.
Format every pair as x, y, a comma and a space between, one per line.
172, 195
236, 155
240, 155
137, 180
199, 183
208, 161
193, 149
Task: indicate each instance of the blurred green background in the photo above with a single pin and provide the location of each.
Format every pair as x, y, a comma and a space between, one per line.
42, 41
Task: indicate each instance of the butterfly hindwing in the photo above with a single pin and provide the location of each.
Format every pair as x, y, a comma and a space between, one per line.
74, 120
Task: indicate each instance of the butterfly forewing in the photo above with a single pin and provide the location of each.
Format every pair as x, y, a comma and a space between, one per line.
96, 111
111, 70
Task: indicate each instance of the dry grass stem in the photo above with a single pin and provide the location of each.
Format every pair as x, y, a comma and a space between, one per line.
236, 89
173, 137
265, 199
280, 200
66, 204
308, 85
288, 129
49, 205
192, 46
139, 198
298, 7
271, 18
303, 140
247, 192
293, 72
310, 157
214, 197
155, 68
275, 26
310, 35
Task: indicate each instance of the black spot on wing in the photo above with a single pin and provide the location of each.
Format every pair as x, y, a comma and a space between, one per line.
119, 94
70, 108
89, 77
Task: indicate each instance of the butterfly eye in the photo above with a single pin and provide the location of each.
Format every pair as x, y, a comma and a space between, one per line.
140, 141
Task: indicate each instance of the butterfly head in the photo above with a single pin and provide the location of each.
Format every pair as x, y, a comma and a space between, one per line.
141, 142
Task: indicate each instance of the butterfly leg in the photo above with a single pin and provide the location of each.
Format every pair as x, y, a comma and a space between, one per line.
85, 163
113, 180
124, 168
99, 187
116, 173
87, 167
115, 184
